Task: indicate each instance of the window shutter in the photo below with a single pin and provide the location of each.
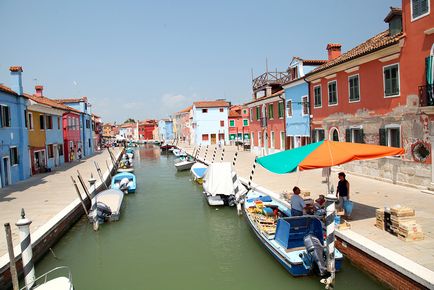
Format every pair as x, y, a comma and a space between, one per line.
321, 135
362, 136
382, 133
347, 135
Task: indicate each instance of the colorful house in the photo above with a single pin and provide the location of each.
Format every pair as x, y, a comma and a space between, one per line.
14, 161
297, 102
267, 113
126, 130
210, 122
165, 129
239, 123
378, 93
86, 131
182, 123
97, 132
146, 128
71, 134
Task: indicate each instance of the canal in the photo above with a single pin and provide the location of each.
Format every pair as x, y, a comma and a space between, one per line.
169, 238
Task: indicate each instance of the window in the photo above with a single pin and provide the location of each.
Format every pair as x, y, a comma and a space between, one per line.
231, 123
293, 73
59, 120
354, 135
88, 142
354, 88
281, 109
390, 136
221, 110
305, 105
289, 108
318, 135
49, 122
419, 8
333, 93
41, 122
222, 123
253, 137
205, 137
334, 134
251, 114
391, 80
25, 119
5, 116
30, 120
244, 111
87, 124
270, 111
245, 122
60, 148
282, 140
317, 97
204, 111
50, 151
14, 155
258, 113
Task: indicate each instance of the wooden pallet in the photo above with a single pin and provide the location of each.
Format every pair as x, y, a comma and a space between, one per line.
402, 211
411, 237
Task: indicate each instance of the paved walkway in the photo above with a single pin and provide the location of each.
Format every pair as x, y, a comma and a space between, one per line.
367, 195
45, 195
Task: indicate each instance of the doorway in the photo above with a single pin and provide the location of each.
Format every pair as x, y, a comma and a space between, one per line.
6, 172
213, 139
39, 161
56, 155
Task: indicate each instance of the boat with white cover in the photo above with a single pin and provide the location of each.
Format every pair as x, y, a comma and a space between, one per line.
106, 206
221, 184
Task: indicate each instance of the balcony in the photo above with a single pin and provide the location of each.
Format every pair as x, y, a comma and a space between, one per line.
270, 78
426, 95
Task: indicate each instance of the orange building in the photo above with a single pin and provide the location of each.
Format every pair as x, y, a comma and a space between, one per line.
239, 123
370, 95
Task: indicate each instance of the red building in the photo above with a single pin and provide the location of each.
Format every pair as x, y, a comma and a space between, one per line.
376, 93
71, 134
97, 132
146, 129
239, 129
267, 113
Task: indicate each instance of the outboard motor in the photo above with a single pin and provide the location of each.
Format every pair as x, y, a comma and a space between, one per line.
103, 212
123, 185
231, 200
315, 254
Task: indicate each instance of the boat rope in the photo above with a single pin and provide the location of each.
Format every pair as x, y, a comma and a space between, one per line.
23, 225
235, 159
251, 174
223, 155
213, 154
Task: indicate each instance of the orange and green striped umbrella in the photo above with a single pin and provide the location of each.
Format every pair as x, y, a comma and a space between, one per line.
324, 154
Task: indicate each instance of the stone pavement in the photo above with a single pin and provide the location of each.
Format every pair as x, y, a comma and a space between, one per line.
45, 195
367, 195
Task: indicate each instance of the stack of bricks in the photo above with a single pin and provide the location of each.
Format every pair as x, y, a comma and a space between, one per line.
379, 219
404, 224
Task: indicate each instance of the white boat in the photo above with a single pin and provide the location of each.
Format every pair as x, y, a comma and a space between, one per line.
198, 170
58, 283
106, 206
184, 165
179, 152
221, 184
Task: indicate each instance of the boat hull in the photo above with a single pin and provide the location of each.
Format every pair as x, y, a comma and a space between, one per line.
184, 165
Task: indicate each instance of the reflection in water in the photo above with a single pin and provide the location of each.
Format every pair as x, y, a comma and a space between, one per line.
169, 238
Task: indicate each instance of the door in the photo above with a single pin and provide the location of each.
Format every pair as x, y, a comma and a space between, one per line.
6, 170
272, 140
56, 155
213, 139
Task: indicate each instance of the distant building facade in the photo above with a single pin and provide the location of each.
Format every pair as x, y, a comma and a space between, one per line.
239, 129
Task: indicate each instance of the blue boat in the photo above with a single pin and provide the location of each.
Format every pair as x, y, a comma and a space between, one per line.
124, 181
198, 170
295, 242
129, 152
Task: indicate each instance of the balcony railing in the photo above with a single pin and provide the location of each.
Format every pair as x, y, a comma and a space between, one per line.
270, 78
426, 95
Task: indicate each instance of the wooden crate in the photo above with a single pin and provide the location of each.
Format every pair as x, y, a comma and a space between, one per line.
411, 237
402, 211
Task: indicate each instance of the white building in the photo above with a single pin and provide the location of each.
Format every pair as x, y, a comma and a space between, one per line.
210, 122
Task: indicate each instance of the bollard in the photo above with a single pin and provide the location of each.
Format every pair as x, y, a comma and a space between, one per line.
206, 152
251, 175
213, 154
223, 155
14, 275
330, 239
235, 159
197, 152
23, 225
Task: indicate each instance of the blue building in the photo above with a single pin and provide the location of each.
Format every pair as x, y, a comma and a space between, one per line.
14, 157
297, 102
165, 129
86, 132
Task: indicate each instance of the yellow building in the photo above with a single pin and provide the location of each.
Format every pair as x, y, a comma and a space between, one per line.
37, 140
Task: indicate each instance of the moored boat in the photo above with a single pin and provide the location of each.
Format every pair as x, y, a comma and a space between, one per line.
179, 152
184, 164
106, 206
165, 147
295, 242
126, 165
221, 184
198, 170
124, 181
58, 283
129, 152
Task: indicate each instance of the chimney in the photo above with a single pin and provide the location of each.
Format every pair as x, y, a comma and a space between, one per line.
334, 50
39, 90
17, 79
394, 19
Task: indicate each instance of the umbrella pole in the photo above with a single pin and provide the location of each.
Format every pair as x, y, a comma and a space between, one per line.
330, 239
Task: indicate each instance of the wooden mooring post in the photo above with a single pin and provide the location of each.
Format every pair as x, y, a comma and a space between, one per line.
13, 268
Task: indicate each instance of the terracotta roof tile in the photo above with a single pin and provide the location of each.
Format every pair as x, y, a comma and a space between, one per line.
76, 100
211, 104
16, 68
314, 61
7, 90
51, 103
234, 114
379, 41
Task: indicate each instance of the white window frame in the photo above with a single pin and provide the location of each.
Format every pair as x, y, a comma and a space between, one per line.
259, 139
278, 105
282, 140
272, 111
251, 115
352, 128
247, 122
252, 143
10, 147
230, 123
30, 121
302, 105
349, 88
45, 122
331, 135
399, 81
272, 137
337, 95
420, 16
320, 95
388, 137
289, 108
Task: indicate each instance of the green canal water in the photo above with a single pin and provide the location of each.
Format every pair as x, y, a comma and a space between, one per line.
169, 238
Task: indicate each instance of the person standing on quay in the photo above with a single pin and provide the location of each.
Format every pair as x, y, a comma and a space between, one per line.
343, 190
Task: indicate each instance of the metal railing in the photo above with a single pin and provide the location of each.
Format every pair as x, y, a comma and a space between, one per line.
268, 78
44, 277
426, 95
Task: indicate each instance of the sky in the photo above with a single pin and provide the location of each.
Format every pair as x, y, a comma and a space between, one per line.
148, 59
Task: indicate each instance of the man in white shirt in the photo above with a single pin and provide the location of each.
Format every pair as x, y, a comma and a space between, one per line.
297, 202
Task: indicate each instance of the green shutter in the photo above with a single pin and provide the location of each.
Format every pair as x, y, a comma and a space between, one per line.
347, 135
382, 133
321, 135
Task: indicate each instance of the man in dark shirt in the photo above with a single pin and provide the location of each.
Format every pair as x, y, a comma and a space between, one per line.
343, 190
